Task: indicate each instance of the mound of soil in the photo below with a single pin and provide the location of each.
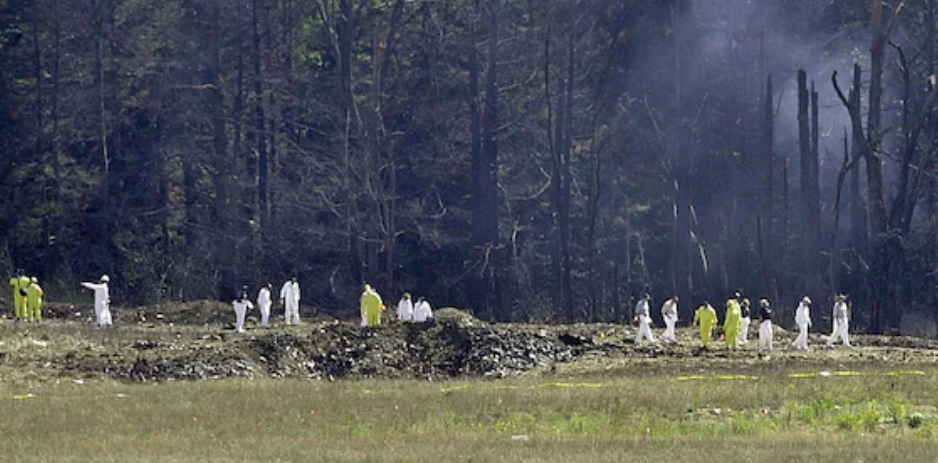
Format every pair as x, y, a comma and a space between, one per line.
194, 341
335, 350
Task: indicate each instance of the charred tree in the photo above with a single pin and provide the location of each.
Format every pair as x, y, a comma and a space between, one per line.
809, 209
485, 163
765, 223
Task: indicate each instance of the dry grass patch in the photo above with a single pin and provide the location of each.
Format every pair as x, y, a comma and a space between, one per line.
771, 417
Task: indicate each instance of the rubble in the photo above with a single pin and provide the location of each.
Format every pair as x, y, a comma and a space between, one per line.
195, 341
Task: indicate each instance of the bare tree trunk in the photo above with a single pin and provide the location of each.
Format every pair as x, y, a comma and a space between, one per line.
262, 213
475, 129
288, 111
37, 73
272, 123
683, 251
485, 160
814, 205
56, 91
555, 142
766, 235
242, 167
345, 28
882, 304
560, 179
874, 164
566, 158
388, 199
99, 52
874, 176
485, 222
594, 194
224, 246
804, 151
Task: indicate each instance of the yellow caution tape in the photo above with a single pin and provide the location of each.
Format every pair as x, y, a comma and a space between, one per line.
721, 377
464, 387
572, 385
851, 373
735, 377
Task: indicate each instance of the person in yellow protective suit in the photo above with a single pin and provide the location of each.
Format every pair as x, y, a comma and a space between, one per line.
34, 300
706, 318
20, 284
370, 307
733, 322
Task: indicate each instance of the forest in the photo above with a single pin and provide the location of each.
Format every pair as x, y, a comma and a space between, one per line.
527, 160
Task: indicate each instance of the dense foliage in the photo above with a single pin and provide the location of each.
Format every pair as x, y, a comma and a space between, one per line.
524, 159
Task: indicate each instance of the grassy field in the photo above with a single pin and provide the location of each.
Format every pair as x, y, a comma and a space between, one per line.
776, 415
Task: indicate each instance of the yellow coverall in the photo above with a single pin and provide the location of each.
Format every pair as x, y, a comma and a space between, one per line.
733, 323
371, 306
19, 285
706, 317
34, 301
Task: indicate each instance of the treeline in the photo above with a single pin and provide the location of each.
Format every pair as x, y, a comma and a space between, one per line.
535, 159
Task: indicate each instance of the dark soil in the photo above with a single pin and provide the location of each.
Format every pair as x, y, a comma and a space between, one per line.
195, 341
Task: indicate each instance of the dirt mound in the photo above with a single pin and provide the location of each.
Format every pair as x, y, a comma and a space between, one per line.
200, 312
194, 341
452, 314
335, 350
60, 311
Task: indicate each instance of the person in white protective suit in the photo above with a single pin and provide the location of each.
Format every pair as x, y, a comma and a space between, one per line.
669, 314
747, 320
263, 304
644, 321
290, 298
102, 300
422, 310
841, 322
405, 308
803, 320
766, 334
241, 306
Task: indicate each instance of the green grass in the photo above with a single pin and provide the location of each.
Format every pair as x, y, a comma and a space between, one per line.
875, 415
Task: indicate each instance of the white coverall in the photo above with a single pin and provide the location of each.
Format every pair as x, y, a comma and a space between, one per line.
744, 330
644, 323
263, 304
405, 309
290, 297
669, 313
803, 320
422, 311
841, 324
240, 308
765, 335
102, 301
